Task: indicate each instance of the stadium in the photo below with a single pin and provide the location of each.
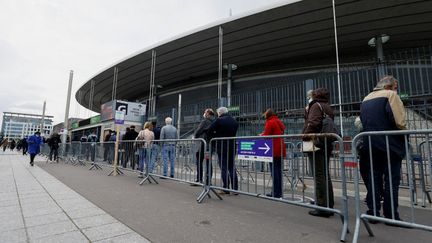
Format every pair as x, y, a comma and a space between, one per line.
271, 57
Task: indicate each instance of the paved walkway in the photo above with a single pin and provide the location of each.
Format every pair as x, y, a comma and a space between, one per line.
36, 207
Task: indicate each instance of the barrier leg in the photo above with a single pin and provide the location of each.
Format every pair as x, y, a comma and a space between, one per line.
148, 177
95, 166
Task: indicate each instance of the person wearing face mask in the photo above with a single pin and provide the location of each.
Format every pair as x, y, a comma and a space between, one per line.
309, 101
34, 143
201, 132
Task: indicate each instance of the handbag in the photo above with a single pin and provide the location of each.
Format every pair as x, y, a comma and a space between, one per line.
328, 126
309, 146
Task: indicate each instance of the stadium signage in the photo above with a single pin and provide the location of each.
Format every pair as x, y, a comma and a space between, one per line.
255, 150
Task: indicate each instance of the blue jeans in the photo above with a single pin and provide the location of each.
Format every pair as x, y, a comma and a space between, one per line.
276, 169
144, 153
155, 149
168, 152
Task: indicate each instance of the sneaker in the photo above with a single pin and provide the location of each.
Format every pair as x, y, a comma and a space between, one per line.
31, 163
171, 176
140, 176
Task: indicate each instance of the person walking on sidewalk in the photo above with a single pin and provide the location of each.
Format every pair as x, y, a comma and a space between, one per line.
24, 145
34, 143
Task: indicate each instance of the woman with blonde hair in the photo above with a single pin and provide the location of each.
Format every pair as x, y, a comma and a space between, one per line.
145, 138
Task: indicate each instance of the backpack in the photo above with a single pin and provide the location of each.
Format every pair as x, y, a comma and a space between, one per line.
328, 126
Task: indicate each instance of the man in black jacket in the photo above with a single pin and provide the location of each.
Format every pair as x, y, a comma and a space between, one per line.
201, 132
225, 126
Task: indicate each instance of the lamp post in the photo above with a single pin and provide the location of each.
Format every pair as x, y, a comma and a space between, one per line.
378, 42
229, 67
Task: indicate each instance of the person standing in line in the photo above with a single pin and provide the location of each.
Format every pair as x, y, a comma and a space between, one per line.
106, 145
92, 139
309, 98
314, 117
274, 126
123, 146
133, 135
168, 148
155, 146
34, 143
111, 145
225, 126
53, 144
144, 142
383, 110
201, 132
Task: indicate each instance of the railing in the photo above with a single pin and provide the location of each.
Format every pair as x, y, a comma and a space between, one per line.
380, 160
242, 157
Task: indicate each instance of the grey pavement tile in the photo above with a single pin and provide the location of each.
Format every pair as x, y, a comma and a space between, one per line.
77, 206
40, 204
69, 237
10, 209
45, 219
85, 212
35, 200
7, 203
11, 222
30, 192
8, 196
45, 230
93, 221
129, 238
32, 195
30, 212
13, 236
106, 231
63, 196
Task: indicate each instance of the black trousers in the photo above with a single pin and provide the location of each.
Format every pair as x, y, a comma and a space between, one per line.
323, 183
381, 184
227, 166
53, 151
199, 164
32, 157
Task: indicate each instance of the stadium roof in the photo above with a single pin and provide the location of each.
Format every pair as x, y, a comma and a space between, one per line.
287, 36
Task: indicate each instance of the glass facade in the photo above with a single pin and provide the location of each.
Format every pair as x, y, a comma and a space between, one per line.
18, 125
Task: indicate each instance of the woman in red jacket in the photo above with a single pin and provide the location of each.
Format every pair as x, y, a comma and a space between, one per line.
274, 126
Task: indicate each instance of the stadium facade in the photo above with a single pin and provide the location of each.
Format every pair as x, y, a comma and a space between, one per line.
271, 57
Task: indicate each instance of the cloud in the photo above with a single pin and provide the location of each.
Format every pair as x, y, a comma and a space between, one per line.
41, 41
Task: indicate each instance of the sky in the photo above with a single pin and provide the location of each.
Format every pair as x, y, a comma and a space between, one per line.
42, 40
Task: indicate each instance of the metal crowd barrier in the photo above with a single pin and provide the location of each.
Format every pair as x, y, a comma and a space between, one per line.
239, 166
174, 159
376, 164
